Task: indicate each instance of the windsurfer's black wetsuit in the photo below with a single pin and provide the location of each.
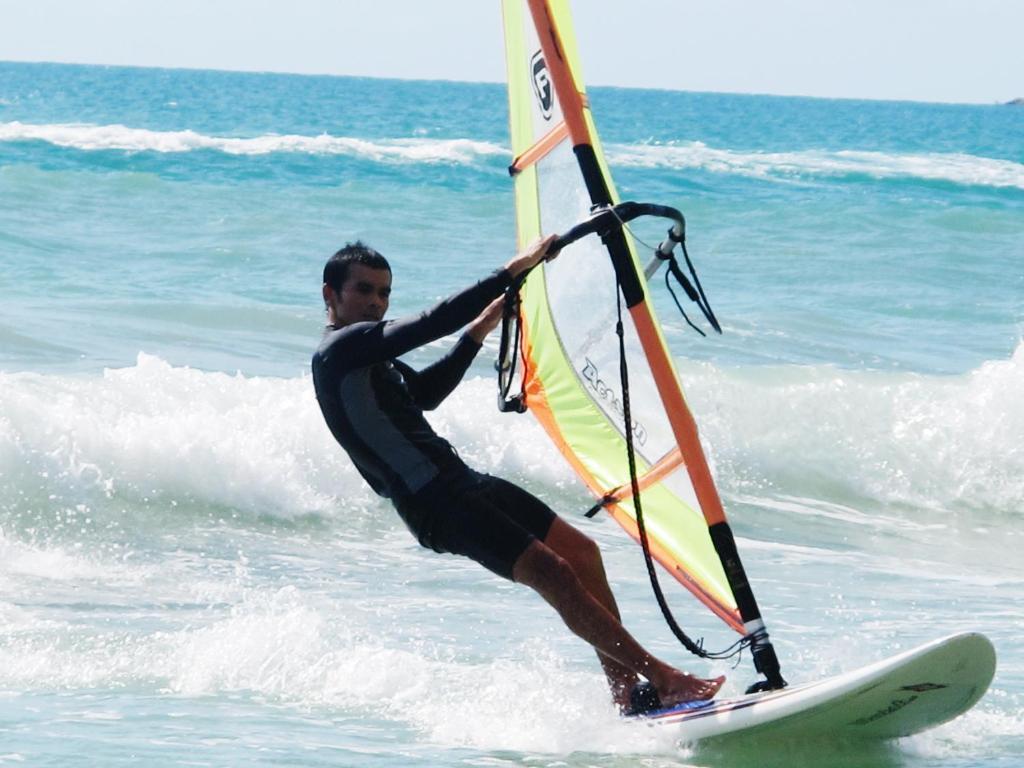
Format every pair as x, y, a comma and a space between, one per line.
373, 404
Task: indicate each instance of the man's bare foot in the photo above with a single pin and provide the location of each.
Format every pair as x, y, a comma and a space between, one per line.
676, 687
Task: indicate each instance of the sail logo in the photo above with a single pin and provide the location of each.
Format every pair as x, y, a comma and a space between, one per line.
592, 376
542, 84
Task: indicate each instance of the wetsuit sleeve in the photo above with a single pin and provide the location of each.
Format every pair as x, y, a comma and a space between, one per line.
362, 344
430, 386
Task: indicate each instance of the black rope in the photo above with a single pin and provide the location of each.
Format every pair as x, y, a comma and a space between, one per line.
703, 303
682, 311
696, 295
696, 648
511, 330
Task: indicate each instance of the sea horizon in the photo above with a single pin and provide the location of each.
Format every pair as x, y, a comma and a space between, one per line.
1009, 100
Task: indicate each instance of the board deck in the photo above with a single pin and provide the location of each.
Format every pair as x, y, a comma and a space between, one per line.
900, 696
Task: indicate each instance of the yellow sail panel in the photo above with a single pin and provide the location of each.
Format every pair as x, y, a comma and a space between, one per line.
571, 352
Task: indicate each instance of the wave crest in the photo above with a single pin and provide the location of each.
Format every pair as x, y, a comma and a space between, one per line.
120, 137
933, 442
163, 434
956, 168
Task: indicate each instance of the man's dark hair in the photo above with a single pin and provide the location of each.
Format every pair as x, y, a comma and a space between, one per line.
337, 267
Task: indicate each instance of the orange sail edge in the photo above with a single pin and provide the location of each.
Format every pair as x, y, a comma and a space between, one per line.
538, 405
730, 616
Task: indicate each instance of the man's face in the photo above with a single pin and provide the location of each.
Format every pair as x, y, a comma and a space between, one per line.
363, 296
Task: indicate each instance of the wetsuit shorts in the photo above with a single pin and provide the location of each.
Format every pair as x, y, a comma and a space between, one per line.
484, 518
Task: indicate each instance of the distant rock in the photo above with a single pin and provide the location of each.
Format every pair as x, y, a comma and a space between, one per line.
1016, 102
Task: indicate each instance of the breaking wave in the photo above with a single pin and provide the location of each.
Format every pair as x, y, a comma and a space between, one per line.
258, 444
120, 137
954, 168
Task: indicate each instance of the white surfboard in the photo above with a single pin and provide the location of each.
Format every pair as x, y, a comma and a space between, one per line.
900, 696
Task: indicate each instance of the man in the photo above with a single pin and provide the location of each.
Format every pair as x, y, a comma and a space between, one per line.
373, 404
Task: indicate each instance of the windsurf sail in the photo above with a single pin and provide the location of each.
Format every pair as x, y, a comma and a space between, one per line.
568, 346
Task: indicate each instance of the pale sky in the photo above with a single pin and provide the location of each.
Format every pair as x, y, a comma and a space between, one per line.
922, 50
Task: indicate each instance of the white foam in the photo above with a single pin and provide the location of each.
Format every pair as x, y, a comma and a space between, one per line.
291, 648
957, 168
971, 734
39, 562
120, 137
154, 431
258, 444
928, 441
299, 649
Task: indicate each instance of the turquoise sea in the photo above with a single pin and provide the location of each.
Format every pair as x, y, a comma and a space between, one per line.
191, 573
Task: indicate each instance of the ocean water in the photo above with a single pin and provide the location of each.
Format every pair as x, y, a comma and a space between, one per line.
191, 572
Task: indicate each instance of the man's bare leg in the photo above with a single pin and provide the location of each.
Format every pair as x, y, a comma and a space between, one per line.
551, 575
583, 554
